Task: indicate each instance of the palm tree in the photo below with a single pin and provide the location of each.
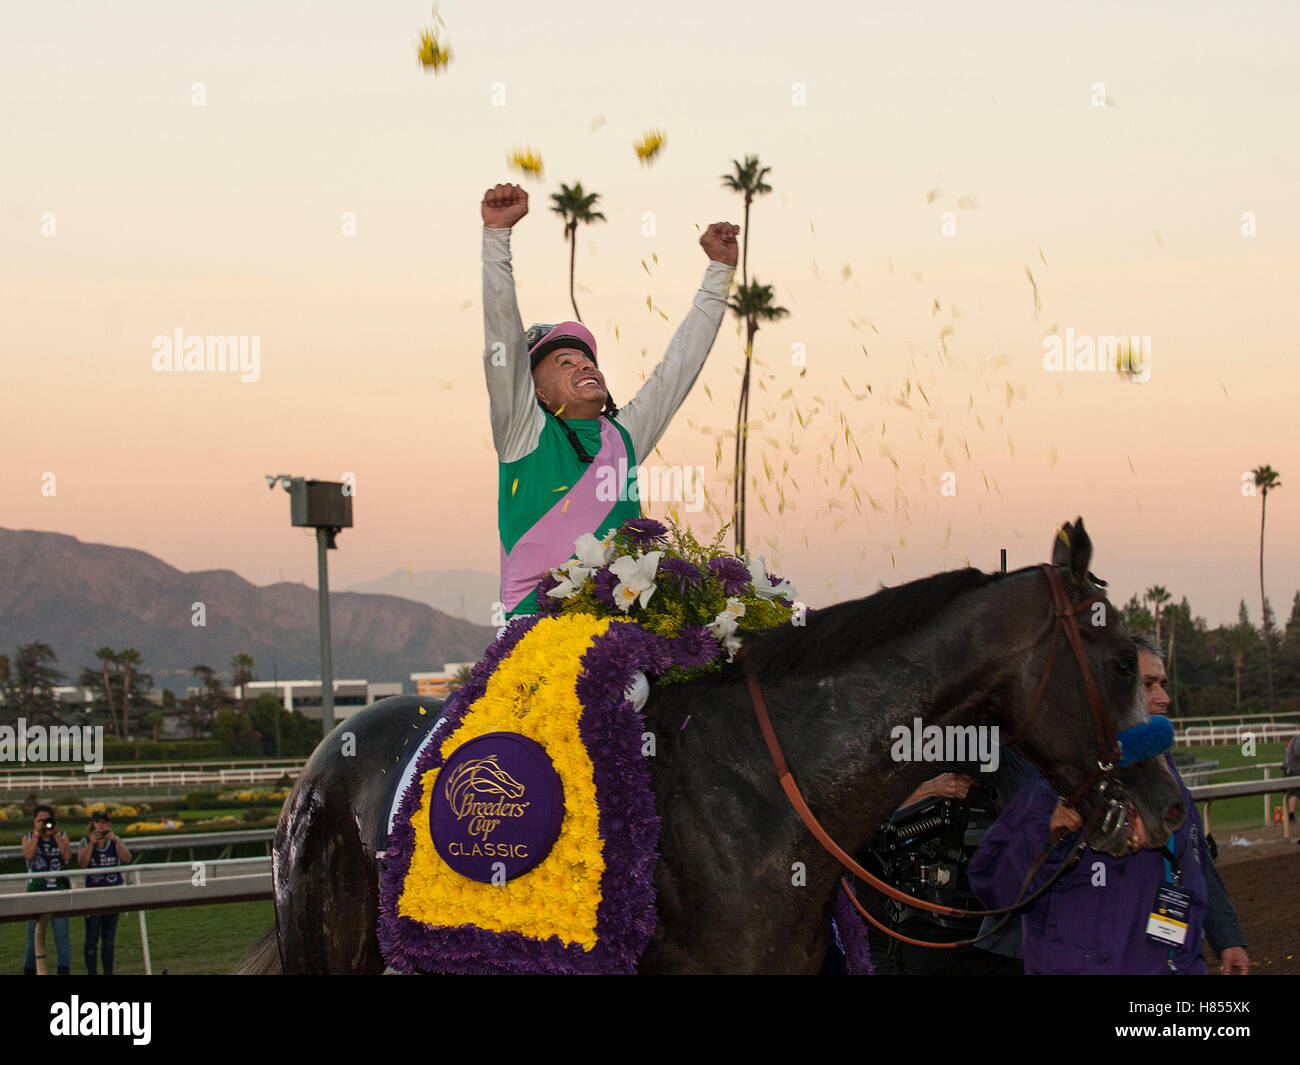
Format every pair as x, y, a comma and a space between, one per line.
753, 303
1157, 596
242, 672
574, 206
107, 655
128, 657
747, 179
1266, 478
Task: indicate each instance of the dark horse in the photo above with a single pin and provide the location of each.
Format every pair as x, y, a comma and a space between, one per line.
958, 648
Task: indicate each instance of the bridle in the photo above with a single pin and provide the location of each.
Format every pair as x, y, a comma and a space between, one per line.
1108, 812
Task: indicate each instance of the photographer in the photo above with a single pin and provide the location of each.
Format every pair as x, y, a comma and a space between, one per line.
101, 849
46, 850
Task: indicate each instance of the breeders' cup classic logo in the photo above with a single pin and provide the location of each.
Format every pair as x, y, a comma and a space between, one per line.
498, 806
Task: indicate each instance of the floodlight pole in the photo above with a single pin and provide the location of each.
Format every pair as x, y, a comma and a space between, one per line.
323, 538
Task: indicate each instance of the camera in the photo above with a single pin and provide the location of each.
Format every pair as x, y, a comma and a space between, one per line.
47, 824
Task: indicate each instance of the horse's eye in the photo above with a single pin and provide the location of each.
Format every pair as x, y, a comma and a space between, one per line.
1126, 665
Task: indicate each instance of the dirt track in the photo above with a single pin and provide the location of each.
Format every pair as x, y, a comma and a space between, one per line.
1263, 882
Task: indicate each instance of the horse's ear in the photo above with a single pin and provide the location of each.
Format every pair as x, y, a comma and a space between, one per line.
1080, 554
1061, 545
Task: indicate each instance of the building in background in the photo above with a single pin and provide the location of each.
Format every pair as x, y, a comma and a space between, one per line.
305, 695
440, 685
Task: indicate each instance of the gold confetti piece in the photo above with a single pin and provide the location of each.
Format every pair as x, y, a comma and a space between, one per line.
562, 488
1060, 534
557, 414
1225, 389
1131, 469
646, 268
650, 144
529, 160
933, 195
654, 256
567, 501
1010, 393
662, 315
1038, 302
616, 336
810, 228
514, 486
708, 392
467, 305
1042, 256
597, 122
410, 577
648, 303
1051, 458
1160, 240
966, 204
846, 272
431, 52
423, 711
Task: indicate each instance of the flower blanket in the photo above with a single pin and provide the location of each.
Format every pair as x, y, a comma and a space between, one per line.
554, 684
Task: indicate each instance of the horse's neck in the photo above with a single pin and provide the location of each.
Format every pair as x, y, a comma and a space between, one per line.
947, 672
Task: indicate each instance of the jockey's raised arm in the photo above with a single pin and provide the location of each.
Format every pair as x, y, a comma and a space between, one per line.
647, 415
561, 442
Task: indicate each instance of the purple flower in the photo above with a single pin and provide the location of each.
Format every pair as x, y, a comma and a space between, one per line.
679, 573
548, 604
693, 646
644, 531
732, 573
604, 587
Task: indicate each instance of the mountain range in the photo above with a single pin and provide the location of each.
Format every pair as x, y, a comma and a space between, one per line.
78, 597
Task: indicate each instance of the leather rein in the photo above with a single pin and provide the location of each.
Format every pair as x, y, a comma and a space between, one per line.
1108, 755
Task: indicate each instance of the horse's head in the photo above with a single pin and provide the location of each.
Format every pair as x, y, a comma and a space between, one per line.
1053, 722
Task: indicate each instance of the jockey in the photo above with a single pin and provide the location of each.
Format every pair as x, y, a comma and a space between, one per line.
567, 455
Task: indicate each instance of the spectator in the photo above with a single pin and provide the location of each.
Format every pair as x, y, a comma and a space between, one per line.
101, 849
46, 850
1291, 767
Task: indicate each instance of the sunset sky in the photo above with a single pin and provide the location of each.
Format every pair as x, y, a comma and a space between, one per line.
1131, 205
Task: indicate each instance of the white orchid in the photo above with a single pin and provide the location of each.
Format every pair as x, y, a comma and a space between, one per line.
635, 578
571, 577
723, 625
594, 551
735, 606
763, 585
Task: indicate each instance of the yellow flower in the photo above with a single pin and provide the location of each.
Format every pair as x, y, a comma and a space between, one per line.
532, 692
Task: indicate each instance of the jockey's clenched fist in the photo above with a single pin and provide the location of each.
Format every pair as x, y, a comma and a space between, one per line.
503, 206
719, 242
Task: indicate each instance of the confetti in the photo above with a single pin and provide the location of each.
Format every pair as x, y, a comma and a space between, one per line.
933, 195
650, 145
597, 122
1038, 302
529, 160
966, 204
514, 486
1051, 458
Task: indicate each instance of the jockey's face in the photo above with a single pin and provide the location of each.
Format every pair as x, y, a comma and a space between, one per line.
570, 384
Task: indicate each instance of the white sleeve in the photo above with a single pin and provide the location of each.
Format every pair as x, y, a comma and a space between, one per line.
517, 420
647, 415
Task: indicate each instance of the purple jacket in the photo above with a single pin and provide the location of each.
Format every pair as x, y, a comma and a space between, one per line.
1078, 927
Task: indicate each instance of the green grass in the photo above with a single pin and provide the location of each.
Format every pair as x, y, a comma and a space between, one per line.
1248, 810
182, 940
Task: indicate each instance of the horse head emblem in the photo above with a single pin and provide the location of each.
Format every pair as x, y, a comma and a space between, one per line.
479, 776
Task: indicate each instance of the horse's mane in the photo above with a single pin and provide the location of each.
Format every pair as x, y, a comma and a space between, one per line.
845, 631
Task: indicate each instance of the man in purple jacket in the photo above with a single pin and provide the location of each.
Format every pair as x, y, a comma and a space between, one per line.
1098, 918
